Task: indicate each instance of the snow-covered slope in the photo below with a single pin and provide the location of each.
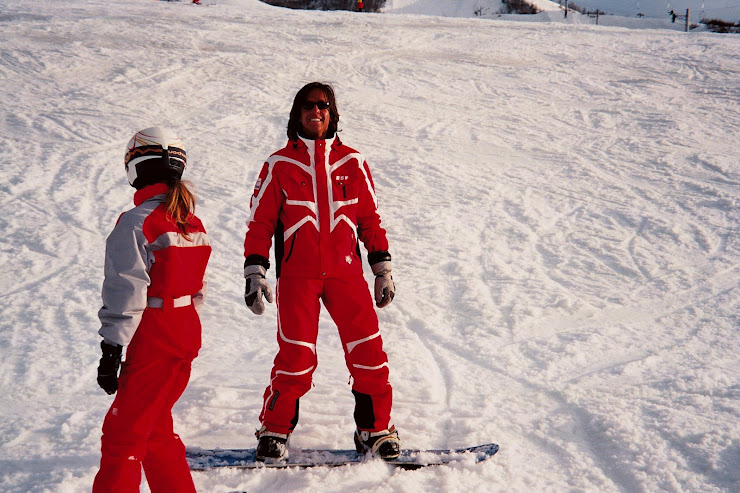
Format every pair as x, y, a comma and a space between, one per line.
561, 201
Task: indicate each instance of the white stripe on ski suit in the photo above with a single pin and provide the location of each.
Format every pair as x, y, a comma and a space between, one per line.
363, 367
354, 344
176, 239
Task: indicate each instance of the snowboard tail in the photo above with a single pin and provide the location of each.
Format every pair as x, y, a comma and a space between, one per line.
205, 459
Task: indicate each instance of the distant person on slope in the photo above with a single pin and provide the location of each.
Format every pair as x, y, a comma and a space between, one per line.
317, 198
155, 262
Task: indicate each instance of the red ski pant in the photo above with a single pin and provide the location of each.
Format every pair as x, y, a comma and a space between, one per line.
350, 305
137, 430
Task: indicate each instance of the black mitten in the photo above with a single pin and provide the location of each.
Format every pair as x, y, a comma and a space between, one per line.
108, 368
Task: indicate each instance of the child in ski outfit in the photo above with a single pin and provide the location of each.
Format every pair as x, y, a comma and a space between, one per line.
155, 266
317, 198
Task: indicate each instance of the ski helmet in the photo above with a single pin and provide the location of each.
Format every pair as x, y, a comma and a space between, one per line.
154, 155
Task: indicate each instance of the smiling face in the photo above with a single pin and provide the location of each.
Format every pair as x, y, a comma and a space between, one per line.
314, 120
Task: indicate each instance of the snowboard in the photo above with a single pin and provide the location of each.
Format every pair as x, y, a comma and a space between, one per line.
201, 459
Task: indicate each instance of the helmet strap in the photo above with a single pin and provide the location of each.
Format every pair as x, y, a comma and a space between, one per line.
165, 158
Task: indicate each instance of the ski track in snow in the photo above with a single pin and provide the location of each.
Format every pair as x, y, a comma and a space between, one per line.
561, 202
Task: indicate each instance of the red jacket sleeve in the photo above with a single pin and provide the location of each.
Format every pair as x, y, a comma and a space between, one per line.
265, 206
369, 230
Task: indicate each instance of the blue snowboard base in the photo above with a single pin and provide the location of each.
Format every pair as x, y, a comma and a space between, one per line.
204, 459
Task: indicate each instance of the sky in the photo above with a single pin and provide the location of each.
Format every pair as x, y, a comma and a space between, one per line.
561, 202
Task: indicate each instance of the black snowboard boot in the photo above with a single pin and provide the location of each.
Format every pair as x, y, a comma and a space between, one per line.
271, 447
384, 444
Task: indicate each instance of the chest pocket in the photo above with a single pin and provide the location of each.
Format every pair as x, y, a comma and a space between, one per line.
298, 186
344, 186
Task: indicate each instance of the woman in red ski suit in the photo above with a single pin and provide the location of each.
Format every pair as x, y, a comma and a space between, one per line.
316, 197
155, 266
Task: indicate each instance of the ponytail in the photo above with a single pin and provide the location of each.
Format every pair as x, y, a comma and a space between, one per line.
180, 204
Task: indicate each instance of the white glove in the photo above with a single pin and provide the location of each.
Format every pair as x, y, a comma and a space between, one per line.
385, 290
257, 287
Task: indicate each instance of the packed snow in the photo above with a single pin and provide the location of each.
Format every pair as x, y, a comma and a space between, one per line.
562, 203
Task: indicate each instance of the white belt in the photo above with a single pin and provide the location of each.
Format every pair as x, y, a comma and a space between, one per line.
176, 302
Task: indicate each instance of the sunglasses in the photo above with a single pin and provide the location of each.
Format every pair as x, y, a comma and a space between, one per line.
322, 105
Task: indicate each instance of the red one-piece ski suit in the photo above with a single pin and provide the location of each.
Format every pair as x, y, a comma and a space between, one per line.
318, 199
154, 281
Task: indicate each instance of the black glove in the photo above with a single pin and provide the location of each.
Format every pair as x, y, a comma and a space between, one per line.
108, 368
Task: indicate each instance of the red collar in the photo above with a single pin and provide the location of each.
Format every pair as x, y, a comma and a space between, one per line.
148, 192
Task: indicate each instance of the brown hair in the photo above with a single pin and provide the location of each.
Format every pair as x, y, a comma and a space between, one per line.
180, 205
295, 127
